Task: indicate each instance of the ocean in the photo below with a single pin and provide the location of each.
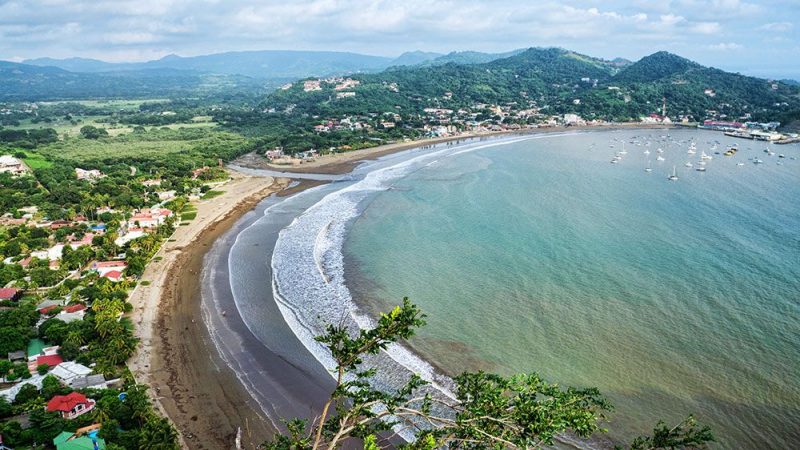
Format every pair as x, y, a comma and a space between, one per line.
672, 297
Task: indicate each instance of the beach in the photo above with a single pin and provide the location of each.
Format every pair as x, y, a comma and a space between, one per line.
187, 380
345, 162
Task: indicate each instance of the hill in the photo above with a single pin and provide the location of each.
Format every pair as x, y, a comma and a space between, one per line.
556, 81
469, 57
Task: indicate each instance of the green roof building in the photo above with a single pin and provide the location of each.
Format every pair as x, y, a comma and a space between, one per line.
68, 441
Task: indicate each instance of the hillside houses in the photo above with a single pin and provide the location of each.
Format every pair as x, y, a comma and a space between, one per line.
88, 175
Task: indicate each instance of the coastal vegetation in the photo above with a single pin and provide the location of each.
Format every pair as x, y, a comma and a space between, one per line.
487, 411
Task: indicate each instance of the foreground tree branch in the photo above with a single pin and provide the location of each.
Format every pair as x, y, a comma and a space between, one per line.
489, 411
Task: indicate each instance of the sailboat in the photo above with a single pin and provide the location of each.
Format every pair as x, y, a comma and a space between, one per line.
647, 152
688, 164
692, 149
704, 156
660, 158
674, 176
648, 168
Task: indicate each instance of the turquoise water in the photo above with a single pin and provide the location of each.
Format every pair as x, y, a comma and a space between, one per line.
671, 297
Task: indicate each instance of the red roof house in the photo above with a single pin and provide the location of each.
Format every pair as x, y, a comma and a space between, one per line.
71, 405
75, 308
50, 360
114, 275
10, 294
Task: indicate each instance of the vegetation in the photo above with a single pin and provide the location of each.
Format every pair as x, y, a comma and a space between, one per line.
488, 411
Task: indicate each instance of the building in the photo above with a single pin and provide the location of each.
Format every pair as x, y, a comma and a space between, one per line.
70, 370
149, 218
103, 267
71, 405
9, 164
78, 441
88, 175
10, 294
114, 275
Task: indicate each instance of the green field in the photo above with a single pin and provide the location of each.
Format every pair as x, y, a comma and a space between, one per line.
152, 144
36, 161
212, 194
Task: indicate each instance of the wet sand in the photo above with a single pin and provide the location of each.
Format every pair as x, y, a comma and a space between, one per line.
187, 379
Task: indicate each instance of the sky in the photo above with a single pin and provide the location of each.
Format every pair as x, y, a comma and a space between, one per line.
756, 37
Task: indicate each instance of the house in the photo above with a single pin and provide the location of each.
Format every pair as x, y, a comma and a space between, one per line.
149, 218
79, 441
18, 356
89, 175
71, 405
166, 195
197, 172
75, 308
10, 294
103, 267
114, 275
70, 370
68, 317
9, 164
50, 360
150, 183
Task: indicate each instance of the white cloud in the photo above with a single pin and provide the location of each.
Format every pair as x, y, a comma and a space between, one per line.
706, 27
724, 46
778, 27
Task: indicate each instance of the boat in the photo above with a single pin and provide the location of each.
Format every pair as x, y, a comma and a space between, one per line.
674, 176
731, 151
692, 149
703, 156
701, 169
660, 158
648, 168
739, 164
688, 164
701, 163
623, 152
647, 152
781, 156
758, 161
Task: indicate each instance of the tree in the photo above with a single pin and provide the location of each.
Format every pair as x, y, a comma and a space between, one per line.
158, 434
26, 393
488, 411
92, 132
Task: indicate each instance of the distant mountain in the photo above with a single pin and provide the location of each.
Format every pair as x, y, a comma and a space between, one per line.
414, 58
256, 64
791, 82
25, 82
75, 64
469, 57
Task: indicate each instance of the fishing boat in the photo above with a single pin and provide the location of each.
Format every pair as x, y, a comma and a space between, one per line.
674, 176
701, 169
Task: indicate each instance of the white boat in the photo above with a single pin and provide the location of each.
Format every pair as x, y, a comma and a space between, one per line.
660, 158
648, 168
692, 149
674, 176
647, 152
660, 150
701, 163
739, 164
701, 169
704, 156
688, 164
623, 152
758, 161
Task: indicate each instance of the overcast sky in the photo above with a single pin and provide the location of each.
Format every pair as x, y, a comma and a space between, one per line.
758, 37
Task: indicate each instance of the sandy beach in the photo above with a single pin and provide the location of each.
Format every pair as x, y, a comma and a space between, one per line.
187, 380
342, 163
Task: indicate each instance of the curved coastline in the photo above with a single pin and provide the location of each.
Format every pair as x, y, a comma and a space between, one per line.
261, 331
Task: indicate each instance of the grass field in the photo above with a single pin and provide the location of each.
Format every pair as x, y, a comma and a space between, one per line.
212, 194
65, 128
36, 161
155, 144
188, 215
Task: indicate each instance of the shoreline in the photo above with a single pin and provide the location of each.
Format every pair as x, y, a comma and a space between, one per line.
344, 163
188, 382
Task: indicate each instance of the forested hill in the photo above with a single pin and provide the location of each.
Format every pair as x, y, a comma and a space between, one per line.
555, 81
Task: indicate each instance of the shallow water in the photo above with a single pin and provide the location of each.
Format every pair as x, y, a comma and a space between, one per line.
671, 297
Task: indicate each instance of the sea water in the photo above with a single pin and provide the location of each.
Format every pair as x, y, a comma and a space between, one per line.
672, 297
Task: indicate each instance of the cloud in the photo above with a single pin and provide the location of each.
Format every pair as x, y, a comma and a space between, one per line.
139, 29
778, 27
724, 46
